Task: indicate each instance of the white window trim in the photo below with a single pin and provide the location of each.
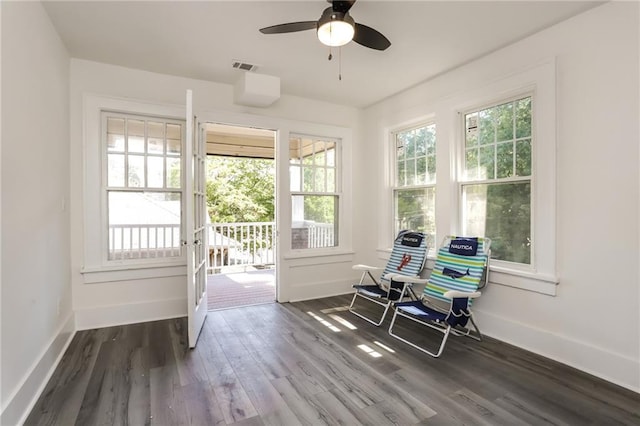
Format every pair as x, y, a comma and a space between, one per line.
389, 175
339, 248
540, 83
393, 173
462, 182
284, 129
539, 80
94, 197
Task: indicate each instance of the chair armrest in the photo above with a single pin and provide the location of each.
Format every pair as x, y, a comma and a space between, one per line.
366, 268
406, 279
454, 294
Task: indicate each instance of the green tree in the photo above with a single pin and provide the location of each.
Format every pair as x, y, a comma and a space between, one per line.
502, 150
240, 189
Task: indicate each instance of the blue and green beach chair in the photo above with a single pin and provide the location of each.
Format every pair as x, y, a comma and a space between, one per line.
461, 268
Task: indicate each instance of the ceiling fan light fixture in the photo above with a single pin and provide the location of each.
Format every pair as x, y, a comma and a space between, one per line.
335, 28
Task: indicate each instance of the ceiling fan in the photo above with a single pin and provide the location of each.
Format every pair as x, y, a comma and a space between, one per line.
335, 28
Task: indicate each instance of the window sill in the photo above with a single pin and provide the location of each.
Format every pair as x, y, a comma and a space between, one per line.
316, 253
111, 273
529, 281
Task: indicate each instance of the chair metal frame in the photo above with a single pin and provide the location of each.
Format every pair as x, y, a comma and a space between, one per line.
377, 294
438, 318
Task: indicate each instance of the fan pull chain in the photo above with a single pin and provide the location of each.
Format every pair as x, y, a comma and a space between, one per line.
330, 57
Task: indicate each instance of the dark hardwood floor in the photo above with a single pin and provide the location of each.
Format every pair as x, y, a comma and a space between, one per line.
286, 365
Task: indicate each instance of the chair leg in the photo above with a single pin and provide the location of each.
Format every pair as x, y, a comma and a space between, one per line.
445, 331
369, 320
472, 334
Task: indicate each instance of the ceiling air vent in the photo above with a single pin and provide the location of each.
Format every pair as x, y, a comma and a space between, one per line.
244, 66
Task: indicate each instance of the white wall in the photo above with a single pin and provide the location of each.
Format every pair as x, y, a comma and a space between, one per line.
37, 318
132, 300
597, 58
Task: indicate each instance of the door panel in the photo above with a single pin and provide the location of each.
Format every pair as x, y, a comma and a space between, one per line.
195, 224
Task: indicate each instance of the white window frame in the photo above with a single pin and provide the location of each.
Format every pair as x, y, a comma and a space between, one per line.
125, 188
336, 193
464, 181
539, 82
393, 178
96, 268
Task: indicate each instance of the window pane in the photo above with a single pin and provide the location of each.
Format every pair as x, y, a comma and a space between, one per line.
523, 118
331, 180
320, 185
415, 209
155, 138
402, 179
173, 147
487, 129
115, 170
155, 146
173, 173
409, 145
487, 162
411, 172
307, 179
431, 169
400, 151
174, 139
320, 154
155, 170
471, 163
504, 122
135, 174
523, 158
498, 157
135, 136
314, 221
331, 154
421, 169
294, 178
504, 164
115, 134
501, 212
430, 139
143, 225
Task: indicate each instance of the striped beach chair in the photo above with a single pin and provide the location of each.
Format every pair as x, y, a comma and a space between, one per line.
461, 268
406, 261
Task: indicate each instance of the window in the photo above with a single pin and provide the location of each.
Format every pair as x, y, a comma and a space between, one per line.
414, 192
143, 184
497, 178
315, 196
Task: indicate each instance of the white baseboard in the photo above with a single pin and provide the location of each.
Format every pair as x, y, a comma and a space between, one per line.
25, 396
610, 366
132, 313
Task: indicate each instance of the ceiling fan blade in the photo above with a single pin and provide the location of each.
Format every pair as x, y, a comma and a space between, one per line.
291, 27
341, 6
369, 37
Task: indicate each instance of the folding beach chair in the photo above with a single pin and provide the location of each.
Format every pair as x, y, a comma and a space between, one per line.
407, 260
461, 268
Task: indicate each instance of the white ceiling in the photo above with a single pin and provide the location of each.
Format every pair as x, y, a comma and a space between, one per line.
201, 39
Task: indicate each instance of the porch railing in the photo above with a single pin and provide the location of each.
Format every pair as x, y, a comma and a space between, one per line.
248, 243
136, 241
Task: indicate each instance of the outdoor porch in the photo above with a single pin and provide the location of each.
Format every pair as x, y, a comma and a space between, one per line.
241, 256
251, 286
